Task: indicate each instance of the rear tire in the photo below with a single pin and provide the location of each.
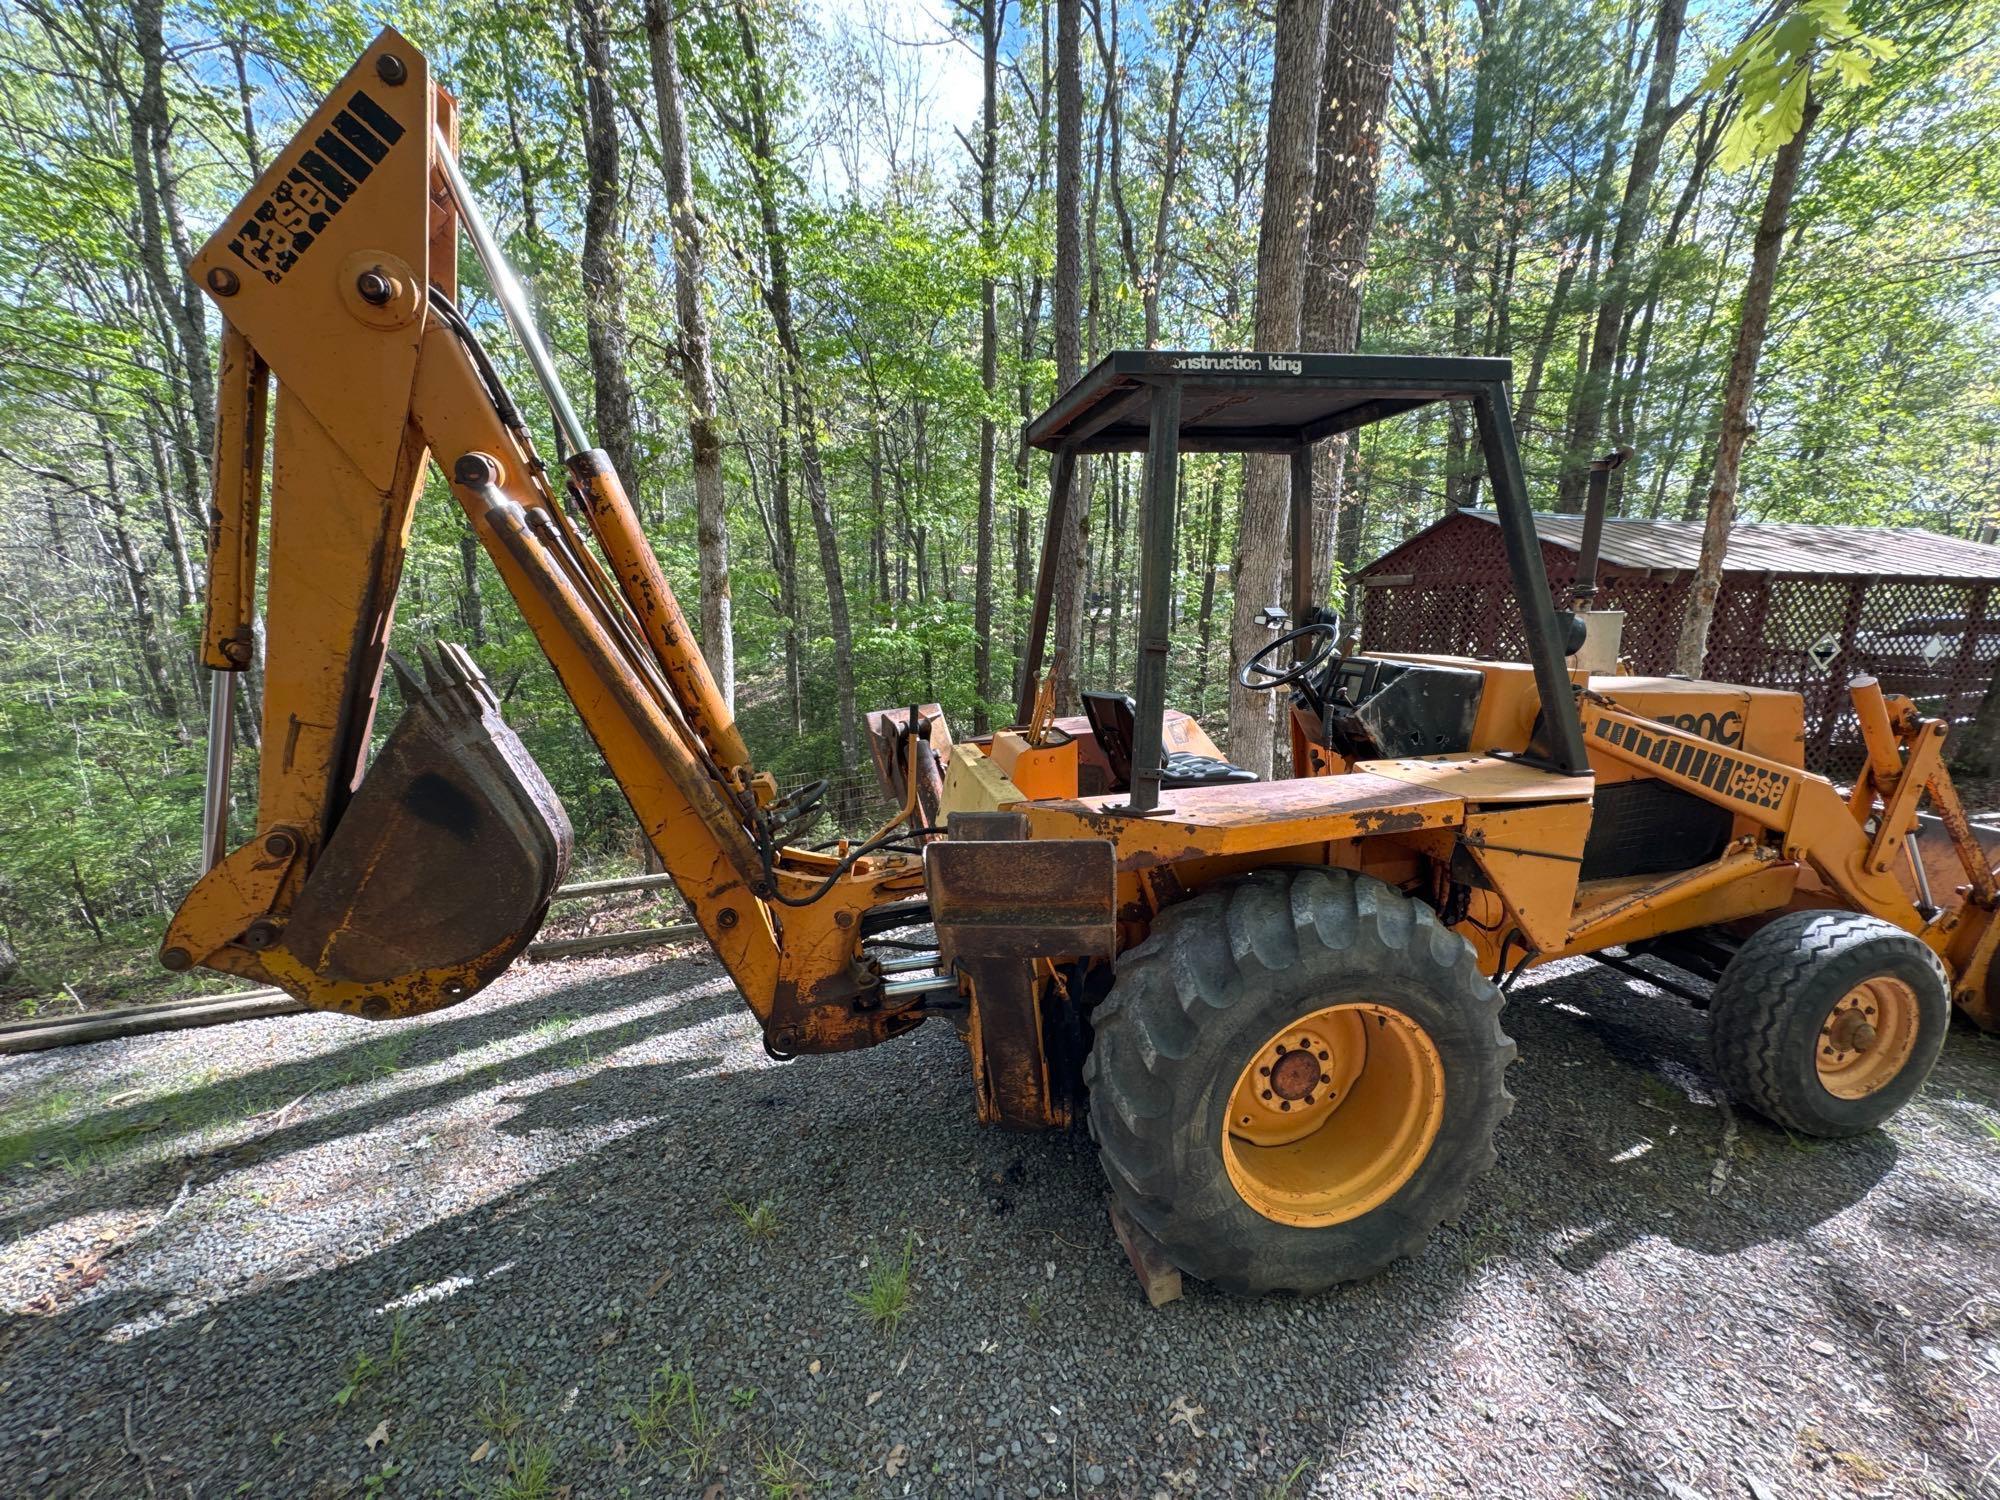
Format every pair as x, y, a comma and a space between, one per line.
1192, 1010
1828, 1022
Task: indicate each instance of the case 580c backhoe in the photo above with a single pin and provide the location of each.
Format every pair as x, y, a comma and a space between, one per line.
1279, 999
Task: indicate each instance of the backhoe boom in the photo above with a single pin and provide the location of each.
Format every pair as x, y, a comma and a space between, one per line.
394, 884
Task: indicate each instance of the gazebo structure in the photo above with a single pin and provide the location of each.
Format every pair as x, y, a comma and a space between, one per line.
1803, 607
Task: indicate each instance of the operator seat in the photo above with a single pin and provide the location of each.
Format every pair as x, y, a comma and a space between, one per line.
1114, 720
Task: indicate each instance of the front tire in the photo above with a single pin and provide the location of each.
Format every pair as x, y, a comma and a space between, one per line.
1828, 1022
1296, 1078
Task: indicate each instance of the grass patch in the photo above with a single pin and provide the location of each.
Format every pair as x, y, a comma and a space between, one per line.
761, 1222
499, 1416
122, 970
530, 1473
368, 1366
887, 1297
36, 1130
550, 1027
378, 1059
673, 1418
780, 1471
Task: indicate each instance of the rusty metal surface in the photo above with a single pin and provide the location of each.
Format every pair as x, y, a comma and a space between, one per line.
446, 859
1001, 902
885, 728
1483, 778
1250, 818
997, 894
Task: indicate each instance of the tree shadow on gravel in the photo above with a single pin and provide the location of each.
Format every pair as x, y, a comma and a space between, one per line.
545, 1317
559, 1018
1615, 1103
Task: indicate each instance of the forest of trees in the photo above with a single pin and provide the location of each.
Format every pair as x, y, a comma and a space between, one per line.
808, 270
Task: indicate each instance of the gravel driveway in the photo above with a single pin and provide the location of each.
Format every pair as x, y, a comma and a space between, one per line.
581, 1237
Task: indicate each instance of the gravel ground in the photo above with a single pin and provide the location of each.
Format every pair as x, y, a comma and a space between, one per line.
494, 1252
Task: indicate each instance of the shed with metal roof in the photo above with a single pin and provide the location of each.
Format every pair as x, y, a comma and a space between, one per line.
1803, 606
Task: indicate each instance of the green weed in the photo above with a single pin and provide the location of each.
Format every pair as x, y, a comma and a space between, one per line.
530, 1475
1282, 1490
550, 1027
743, 1397
781, 1472
402, 1336
673, 1415
887, 1298
376, 1060
761, 1222
365, 1368
500, 1417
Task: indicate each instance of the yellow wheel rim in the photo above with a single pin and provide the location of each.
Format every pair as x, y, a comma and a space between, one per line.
1867, 1038
1332, 1114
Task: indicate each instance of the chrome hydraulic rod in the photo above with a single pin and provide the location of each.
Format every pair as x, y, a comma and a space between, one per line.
513, 299
221, 755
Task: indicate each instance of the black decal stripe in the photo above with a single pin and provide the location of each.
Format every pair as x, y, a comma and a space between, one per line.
322, 172
1698, 765
377, 118
359, 136
344, 156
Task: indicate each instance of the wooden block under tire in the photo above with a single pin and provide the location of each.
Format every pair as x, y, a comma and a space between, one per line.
1160, 1278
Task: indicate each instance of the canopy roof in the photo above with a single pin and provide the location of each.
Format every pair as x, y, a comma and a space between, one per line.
1249, 402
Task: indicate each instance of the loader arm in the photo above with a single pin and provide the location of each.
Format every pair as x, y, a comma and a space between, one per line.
394, 884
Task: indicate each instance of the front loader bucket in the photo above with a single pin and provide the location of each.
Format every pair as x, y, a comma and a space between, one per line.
443, 864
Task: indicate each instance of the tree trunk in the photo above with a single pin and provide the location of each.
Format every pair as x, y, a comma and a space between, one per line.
161, 226
1615, 290
1069, 477
603, 282
132, 570
1733, 425
1360, 56
1281, 245
468, 577
1024, 394
990, 20
805, 422
718, 640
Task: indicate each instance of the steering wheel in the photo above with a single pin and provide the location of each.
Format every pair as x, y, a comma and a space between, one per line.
1258, 674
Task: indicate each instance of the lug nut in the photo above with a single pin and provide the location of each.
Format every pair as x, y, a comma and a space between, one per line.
375, 288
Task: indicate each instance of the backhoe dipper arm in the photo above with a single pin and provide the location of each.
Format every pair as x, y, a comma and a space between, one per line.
410, 886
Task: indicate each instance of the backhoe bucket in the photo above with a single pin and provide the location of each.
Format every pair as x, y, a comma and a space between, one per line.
442, 866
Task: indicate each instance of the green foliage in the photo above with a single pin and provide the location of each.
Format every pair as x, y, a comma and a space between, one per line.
1815, 40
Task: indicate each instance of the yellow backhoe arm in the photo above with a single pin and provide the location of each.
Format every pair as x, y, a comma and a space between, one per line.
399, 886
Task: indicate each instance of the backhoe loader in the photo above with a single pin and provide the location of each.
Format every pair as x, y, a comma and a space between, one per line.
1276, 1001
